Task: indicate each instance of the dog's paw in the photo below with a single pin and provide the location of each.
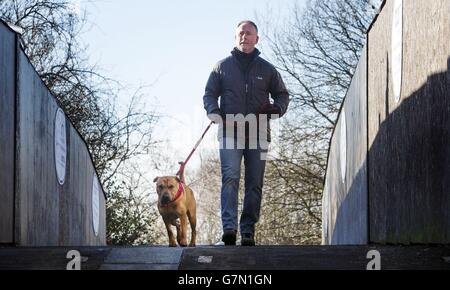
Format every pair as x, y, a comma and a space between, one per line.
192, 245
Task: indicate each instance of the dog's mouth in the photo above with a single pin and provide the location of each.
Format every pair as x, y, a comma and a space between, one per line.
165, 200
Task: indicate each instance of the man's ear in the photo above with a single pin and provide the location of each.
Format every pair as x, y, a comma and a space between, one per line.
257, 39
156, 179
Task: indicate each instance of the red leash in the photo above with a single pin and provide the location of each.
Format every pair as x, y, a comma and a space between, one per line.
193, 150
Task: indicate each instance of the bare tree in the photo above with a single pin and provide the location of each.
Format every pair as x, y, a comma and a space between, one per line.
132, 215
51, 30
317, 50
115, 135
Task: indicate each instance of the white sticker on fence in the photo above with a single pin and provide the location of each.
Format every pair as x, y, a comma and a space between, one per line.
60, 146
343, 145
397, 48
205, 259
95, 204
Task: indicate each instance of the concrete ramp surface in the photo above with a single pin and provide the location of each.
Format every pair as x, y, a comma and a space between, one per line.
227, 258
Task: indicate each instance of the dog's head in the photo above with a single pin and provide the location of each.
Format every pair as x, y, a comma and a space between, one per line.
167, 188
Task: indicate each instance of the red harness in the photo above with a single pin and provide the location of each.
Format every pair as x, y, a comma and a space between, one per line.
177, 197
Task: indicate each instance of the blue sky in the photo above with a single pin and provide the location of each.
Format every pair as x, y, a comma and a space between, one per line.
173, 44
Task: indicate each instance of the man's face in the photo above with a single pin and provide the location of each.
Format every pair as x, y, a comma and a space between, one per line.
246, 37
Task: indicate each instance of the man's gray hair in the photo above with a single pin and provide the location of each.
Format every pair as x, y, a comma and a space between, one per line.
249, 22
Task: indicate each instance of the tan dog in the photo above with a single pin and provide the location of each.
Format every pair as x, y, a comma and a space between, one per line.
176, 204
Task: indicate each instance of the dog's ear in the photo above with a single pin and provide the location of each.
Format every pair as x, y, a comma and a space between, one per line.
156, 179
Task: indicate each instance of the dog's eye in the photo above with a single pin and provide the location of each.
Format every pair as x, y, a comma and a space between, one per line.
170, 186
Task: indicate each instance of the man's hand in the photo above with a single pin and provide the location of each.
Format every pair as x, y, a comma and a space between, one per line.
270, 109
215, 116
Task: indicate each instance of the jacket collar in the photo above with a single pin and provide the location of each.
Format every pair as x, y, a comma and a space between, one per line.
244, 60
245, 56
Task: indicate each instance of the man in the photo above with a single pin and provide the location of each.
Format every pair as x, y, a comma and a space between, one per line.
243, 81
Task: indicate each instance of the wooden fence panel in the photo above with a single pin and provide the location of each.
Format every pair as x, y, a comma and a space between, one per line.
7, 101
37, 188
345, 194
409, 140
39, 207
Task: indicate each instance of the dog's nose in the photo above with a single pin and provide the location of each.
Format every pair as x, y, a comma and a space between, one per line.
165, 199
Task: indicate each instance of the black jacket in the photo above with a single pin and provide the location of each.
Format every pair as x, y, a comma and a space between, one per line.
244, 90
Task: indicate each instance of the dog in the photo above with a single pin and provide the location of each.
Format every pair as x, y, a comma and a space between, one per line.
176, 204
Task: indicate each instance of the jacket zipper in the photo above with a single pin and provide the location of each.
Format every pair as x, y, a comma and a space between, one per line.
246, 76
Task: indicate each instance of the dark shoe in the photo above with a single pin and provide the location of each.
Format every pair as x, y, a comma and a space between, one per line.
247, 240
229, 237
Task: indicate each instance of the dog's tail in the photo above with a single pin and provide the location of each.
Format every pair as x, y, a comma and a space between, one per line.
182, 172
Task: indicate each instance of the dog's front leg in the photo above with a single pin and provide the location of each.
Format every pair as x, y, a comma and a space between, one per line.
172, 242
192, 220
183, 231
178, 225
